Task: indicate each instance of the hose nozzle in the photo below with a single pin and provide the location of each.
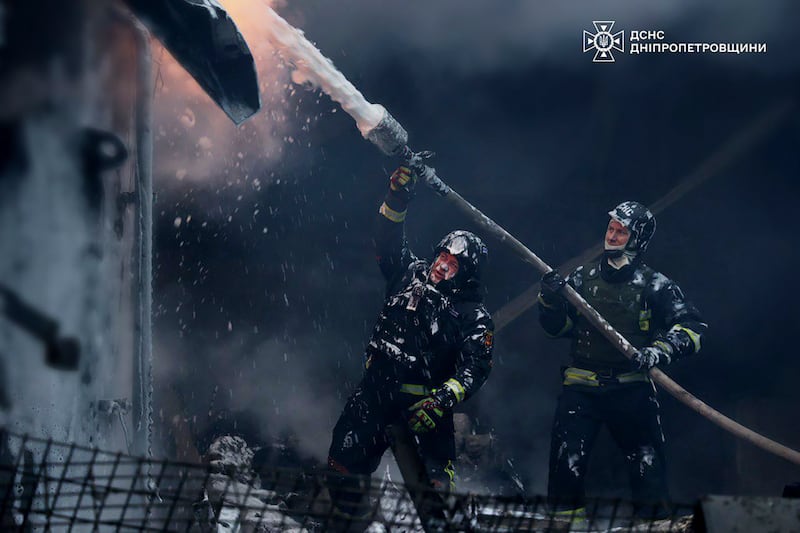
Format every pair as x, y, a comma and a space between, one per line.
389, 136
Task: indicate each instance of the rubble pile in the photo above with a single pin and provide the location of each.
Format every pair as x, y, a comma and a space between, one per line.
235, 500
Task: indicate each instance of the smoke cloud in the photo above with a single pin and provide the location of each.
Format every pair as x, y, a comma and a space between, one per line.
196, 142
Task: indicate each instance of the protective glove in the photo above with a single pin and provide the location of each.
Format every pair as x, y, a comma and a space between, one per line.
683, 340
550, 290
402, 183
430, 410
659, 352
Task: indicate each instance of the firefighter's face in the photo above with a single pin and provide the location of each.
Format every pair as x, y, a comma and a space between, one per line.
617, 235
445, 267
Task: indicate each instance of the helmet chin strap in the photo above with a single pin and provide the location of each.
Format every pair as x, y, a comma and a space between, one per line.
619, 262
618, 256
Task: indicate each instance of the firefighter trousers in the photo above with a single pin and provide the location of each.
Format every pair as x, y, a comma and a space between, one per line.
631, 413
360, 440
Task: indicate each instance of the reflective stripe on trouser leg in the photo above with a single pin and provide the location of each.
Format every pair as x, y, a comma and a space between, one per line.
438, 452
450, 470
444, 478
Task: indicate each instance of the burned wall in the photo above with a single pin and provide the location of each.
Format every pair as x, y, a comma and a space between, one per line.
71, 250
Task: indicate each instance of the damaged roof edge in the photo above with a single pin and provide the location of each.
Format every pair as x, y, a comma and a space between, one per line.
206, 42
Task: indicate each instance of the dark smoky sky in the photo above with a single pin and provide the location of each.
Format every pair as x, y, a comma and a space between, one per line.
266, 288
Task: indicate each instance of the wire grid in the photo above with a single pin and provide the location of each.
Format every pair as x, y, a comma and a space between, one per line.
55, 486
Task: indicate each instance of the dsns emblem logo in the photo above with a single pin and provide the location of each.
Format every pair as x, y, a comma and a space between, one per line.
603, 42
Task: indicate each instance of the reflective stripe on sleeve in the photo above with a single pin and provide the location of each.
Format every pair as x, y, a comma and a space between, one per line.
692, 335
391, 214
457, 388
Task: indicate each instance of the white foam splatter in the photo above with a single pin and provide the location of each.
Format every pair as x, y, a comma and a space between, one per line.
310, 66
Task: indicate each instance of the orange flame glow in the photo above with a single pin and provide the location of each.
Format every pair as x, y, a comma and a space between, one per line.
195, 140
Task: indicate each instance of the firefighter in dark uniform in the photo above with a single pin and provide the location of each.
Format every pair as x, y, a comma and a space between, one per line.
603, 387
430, 349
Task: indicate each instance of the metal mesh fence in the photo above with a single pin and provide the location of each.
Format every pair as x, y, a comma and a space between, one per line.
54, 486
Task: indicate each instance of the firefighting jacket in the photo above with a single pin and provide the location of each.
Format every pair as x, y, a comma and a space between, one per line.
640, 303
428, 336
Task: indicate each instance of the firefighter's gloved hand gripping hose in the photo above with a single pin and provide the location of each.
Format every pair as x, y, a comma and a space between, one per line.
379, 127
